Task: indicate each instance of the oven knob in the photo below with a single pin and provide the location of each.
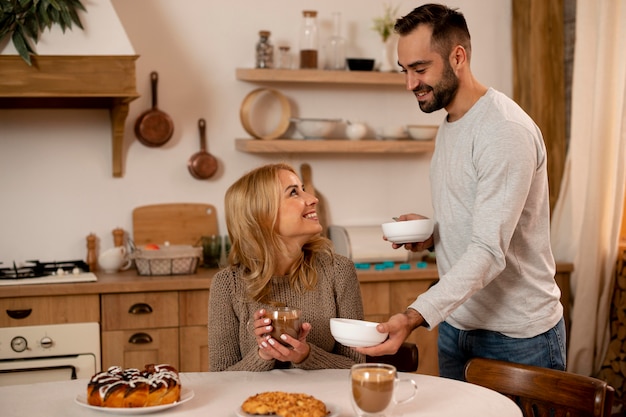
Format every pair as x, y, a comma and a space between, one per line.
46, 342
19, 344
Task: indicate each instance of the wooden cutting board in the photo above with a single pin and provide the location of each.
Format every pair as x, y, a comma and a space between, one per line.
177, 223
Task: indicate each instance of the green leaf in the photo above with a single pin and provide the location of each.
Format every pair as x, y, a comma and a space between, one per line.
24, 20
21, 46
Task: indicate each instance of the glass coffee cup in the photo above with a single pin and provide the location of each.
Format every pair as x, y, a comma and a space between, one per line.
285, 320
374, 387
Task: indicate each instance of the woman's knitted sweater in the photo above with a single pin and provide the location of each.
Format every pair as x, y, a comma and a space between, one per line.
232, 345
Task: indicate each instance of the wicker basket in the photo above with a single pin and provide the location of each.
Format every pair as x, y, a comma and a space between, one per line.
169, 260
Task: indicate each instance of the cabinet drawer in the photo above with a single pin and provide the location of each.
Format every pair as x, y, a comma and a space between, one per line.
139, 310
137, 348
49, 310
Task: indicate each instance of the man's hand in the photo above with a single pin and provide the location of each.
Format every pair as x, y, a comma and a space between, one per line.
399, 328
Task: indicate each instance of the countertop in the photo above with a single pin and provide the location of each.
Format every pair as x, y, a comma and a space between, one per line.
130, 281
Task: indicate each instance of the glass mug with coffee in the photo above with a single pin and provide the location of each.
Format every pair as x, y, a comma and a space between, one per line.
285, 320
375, 388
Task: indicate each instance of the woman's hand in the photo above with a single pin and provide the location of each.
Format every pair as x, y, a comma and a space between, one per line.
270, 348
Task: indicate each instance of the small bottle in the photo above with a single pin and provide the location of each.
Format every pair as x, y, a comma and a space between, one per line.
284, 57
336, 59
264, 51
309, 40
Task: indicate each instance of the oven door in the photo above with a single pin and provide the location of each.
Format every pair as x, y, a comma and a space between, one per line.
28, 371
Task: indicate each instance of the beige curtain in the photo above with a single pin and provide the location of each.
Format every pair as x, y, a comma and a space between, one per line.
586, 218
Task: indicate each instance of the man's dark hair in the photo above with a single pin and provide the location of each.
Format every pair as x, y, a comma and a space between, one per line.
449, 27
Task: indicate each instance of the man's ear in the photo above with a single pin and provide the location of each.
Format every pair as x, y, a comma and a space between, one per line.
458, 56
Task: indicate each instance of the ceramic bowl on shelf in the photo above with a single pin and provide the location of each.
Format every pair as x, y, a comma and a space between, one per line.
311, 128
356, 333
408, 231
422, 132
360, 64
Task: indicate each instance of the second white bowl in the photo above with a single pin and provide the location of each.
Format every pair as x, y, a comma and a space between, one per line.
356, 333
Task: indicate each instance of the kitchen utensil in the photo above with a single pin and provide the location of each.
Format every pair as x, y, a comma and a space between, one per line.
202, 165
355, 130
408, 231
311, 128
114, 259
261, 95
177, 223
153, 127
355, 333
361, 64
422, 132
307, 181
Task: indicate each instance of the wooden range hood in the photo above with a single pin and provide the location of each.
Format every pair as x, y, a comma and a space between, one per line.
81, 81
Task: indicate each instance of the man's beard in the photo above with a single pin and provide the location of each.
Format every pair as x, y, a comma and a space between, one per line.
443, 92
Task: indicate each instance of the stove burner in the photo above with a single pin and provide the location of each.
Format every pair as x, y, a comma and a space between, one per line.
36, 269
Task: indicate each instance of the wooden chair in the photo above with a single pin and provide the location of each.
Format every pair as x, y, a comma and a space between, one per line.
543, 392
405, 359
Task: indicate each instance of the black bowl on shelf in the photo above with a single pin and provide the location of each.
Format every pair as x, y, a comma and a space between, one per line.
361, 64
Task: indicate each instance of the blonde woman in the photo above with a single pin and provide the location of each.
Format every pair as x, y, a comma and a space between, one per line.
278, 257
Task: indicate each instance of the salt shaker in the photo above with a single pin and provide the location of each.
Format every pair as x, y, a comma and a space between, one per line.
264, 50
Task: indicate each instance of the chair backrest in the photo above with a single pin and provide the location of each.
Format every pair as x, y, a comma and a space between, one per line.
543, 392
405, 359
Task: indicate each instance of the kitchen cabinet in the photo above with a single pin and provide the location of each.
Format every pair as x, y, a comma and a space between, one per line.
194, 332
140, 328
73, 82
41, 310
156, 327
328, 146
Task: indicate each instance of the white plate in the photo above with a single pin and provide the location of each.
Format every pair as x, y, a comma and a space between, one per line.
400, 240
185, 395
332, 409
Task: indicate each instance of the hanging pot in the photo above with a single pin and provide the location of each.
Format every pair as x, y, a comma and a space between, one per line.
202, 164
153, 127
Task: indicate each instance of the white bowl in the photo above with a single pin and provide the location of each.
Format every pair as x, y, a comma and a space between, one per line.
315, 128
408, 231
422, 132
356, 333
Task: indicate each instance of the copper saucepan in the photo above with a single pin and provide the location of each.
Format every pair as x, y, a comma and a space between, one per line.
153, 127
202, 165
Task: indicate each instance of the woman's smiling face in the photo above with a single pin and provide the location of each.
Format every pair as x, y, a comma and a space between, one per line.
297, 218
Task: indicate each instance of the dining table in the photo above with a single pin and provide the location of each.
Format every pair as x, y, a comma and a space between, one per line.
222, 393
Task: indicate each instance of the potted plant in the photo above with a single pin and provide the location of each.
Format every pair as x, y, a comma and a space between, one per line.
24, 20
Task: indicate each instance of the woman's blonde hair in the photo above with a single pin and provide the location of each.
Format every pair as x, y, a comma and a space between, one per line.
251, 206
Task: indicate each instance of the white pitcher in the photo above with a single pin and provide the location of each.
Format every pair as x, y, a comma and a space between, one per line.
114, 260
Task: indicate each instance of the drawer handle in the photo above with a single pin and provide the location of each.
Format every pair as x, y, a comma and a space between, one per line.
19, 314
140, 308
140, 339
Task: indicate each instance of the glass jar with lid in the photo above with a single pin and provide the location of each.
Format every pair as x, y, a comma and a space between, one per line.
309, 40
264, 50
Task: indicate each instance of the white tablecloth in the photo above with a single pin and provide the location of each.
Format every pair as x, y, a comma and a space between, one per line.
221, 394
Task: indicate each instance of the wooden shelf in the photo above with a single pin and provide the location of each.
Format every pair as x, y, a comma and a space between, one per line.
334, 146
319, 76
96, 81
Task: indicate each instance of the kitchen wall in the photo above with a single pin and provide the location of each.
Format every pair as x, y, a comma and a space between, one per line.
55, 165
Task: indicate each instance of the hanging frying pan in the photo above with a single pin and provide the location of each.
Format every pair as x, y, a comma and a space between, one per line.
153, 127
202, 164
